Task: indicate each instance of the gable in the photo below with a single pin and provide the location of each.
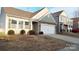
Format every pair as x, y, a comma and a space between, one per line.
47, 19
63, 13
40, 13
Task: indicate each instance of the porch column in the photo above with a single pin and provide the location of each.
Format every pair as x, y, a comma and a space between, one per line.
58, 28
38, 27
31, 25
23, 24
17, 26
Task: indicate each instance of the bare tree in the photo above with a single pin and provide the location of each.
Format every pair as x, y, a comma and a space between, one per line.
76, 13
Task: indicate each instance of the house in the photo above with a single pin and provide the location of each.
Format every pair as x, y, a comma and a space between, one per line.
70, 25
15, 20
75, 23
62, 21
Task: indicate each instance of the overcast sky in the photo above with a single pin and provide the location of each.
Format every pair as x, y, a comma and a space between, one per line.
69, 10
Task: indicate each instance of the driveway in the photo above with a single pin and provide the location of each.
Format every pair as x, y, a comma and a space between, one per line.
66, 38
74, 46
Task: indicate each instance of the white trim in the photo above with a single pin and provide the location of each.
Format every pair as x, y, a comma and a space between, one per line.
15, 16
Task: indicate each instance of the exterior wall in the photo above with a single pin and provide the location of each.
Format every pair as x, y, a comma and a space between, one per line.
57, 23
75, 24
67, 22
63, 22
78, 24
17, 29
70, 25
2, 21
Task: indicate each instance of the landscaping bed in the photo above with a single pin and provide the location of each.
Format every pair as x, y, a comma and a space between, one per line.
30, 43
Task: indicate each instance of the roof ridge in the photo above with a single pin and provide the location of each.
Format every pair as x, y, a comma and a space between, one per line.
39, 10
59, 11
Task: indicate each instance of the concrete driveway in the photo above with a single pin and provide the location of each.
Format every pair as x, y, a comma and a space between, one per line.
73, 40
66, 38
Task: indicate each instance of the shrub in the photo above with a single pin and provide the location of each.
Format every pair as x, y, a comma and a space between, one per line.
22, 32
41, 32
11, 32
31, 32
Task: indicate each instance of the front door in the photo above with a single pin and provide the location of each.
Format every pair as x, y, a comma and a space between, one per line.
61, 30
35, 26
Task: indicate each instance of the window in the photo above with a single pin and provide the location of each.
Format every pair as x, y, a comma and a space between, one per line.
14, 22
26, 23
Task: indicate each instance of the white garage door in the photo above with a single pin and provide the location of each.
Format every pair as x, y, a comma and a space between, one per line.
48, 28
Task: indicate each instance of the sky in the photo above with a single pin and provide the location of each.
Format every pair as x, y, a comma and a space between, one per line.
69, 10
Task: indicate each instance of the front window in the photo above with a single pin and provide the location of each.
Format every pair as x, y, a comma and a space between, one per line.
12, 23
26, 24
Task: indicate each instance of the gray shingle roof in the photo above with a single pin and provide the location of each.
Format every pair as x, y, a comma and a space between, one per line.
47, 19
18, 12
56, 14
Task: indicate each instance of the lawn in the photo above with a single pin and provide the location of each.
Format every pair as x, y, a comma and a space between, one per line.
30, 43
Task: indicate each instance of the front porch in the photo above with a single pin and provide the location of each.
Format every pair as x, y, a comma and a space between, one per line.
36, 27
63, 27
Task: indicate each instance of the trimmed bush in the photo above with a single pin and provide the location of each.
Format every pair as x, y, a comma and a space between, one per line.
41, 32
11, 32
31, 32
22, 32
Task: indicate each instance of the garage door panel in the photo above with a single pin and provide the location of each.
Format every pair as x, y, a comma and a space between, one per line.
48, 28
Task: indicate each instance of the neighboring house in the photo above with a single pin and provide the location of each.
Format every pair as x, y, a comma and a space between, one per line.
12, 19
62, 21
75, 23
70, 25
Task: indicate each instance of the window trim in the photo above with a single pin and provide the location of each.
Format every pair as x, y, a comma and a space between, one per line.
13, 22
27, 23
